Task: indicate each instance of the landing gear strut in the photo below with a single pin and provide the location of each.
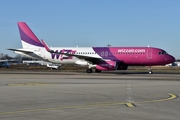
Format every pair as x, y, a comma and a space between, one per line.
150, 70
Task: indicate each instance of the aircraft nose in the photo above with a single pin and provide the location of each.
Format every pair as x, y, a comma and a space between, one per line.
172, 59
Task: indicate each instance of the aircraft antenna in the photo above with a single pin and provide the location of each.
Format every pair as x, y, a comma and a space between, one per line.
108, 45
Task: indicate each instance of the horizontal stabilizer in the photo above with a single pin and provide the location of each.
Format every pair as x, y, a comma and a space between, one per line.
19, 50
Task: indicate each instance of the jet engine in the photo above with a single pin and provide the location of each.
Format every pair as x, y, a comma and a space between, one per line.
107, 65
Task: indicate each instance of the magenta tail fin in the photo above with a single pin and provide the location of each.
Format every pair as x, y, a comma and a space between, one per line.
28, 38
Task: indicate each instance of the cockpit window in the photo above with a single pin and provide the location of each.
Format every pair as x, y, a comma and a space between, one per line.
163, 53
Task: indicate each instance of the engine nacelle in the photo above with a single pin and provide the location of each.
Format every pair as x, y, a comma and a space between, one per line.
107, 65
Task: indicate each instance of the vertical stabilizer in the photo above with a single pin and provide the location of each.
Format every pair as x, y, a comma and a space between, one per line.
28, 38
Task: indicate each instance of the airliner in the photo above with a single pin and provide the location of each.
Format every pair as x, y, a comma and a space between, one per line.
96, 59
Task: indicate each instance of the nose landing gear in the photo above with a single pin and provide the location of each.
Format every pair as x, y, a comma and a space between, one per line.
150, 70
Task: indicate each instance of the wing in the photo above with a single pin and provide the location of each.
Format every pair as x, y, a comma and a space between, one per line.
90, 59
93, 60
28, 52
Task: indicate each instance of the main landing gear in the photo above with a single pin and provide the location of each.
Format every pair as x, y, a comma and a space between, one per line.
89, 70
150, 70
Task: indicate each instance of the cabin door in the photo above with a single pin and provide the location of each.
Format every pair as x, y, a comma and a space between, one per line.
149, 53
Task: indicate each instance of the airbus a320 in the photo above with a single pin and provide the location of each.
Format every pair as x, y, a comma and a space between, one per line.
95, 58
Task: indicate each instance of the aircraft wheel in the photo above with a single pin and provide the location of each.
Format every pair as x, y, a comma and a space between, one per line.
150, 72
89, 70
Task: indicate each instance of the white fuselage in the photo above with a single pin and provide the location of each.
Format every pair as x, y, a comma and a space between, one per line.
41, 53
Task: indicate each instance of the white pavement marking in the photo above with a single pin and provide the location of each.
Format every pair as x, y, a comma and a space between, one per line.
129, 92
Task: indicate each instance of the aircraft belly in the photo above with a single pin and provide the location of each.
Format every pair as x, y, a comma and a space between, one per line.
62, 61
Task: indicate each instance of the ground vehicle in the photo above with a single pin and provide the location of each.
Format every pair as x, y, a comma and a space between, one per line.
4, 63
53, 66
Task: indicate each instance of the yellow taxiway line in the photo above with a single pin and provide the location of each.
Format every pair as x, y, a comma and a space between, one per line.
171, 97
130, 104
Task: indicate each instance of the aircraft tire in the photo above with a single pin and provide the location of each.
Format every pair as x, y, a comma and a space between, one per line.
150, 72
89, 70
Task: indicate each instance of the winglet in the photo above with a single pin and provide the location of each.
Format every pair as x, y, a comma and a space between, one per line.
46, 46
